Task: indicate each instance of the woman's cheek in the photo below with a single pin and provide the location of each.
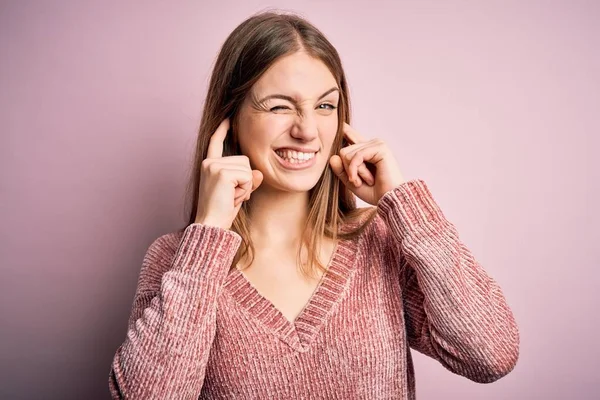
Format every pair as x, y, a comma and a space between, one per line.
283, 122
328, 130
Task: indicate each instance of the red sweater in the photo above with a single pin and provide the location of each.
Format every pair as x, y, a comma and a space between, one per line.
197, 330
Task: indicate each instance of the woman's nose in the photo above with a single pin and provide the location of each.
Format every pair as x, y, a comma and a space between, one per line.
305, 128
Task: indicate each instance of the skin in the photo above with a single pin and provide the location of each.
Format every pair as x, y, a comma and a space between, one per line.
280, 203
307, 119
280, 196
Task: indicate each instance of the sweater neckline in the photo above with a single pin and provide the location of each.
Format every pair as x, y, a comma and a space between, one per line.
329, 292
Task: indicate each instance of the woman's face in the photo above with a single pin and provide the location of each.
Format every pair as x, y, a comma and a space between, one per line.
288, 122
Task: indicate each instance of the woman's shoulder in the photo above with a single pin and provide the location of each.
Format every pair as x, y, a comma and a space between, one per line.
368, 220
167, 243
161, 251
369, 229
376, 228
377, 247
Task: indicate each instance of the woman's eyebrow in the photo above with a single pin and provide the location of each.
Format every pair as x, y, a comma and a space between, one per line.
291, 99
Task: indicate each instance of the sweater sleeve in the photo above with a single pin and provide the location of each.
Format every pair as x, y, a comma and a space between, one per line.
454, 311
172, 323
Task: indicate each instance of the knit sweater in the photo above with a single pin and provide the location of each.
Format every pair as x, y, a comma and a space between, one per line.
200, 330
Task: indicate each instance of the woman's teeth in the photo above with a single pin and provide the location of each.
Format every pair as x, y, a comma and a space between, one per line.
294, 156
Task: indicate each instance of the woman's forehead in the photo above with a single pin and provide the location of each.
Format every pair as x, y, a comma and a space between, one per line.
298, 75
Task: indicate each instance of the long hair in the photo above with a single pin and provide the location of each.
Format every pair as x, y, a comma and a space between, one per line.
247, 53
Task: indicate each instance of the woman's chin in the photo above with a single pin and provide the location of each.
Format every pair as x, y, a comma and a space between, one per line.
296, 184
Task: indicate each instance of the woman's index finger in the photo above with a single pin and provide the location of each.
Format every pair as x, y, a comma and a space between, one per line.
352, 134
215, 145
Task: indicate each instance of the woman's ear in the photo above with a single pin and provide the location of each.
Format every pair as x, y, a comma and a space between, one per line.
231, 140
228, 143
226, 146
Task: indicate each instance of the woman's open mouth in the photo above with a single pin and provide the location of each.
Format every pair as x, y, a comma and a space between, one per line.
295, 160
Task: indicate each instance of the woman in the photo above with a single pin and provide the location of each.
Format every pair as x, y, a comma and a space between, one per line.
280, 287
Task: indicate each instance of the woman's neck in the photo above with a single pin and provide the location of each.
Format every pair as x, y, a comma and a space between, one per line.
277, 218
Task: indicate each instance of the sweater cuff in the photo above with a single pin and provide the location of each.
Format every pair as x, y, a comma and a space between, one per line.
411, 207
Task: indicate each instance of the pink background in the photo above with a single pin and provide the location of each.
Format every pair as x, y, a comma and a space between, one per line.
495, 104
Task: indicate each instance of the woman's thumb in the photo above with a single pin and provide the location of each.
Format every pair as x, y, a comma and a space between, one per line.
338, 168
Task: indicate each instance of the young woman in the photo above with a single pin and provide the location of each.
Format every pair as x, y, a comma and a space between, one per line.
279, 287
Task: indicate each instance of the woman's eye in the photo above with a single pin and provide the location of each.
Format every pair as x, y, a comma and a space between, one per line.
324, 106
327, 106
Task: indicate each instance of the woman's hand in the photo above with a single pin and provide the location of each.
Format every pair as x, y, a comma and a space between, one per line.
366, 167
225, 183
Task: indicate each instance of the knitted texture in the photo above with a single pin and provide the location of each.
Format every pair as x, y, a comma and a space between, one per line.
199, 331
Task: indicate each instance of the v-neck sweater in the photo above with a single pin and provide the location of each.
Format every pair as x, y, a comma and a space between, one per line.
199, 330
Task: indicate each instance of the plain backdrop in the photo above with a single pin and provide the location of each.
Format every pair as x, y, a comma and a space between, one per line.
495, 104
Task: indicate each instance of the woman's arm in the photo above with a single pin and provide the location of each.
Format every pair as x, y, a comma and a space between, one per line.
454, 311
172, 323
